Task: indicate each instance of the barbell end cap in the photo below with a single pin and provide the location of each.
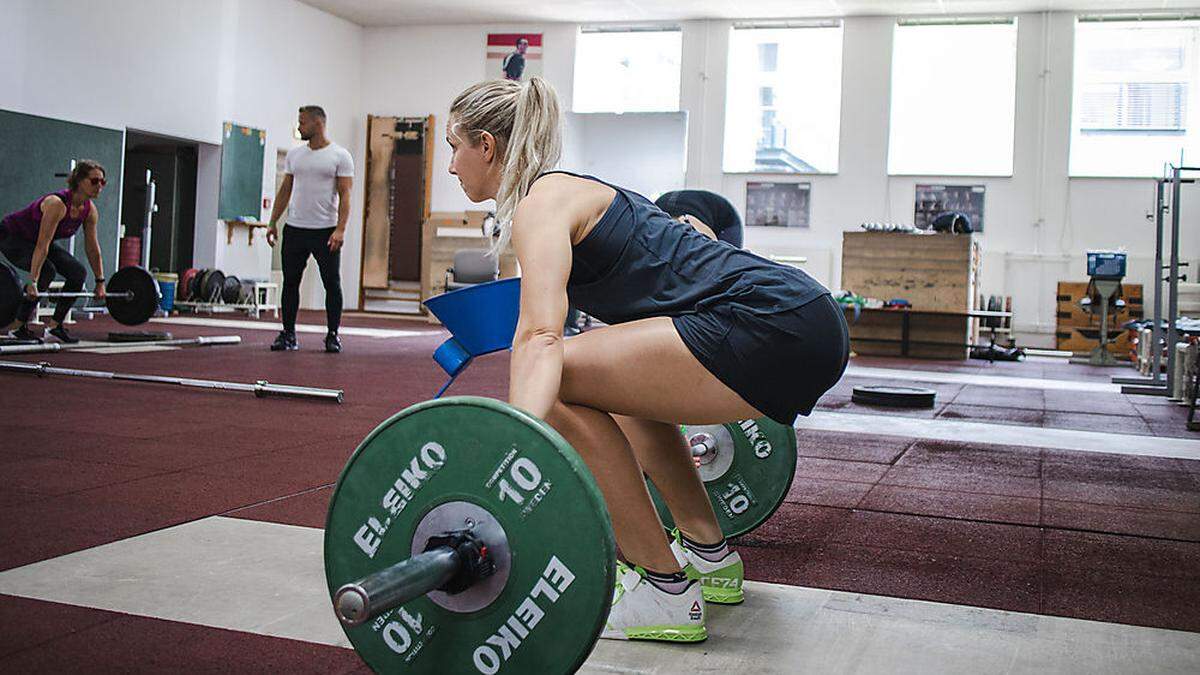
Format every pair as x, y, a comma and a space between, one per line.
351, 604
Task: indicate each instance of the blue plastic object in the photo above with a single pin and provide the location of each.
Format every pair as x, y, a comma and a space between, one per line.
1106, 264
481, 319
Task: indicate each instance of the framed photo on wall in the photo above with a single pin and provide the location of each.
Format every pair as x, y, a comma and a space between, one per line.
514, 56
778, 204
933, 200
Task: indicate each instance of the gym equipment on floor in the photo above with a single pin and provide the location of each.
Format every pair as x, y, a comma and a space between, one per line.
49, 347
466, 535
131, 295
746, 467
261, 388
893, 396
1106, 270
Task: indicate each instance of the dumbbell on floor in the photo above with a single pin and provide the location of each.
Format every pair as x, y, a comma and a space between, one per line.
132, 295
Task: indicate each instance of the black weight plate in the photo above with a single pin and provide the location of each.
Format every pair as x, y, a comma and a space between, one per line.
893, 396
230, 290
246, 293
141, 306
10, 295
194, 285
211, 287
747, 475
138, 336
426, 467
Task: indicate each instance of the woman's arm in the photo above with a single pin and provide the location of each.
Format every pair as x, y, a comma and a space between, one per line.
542, 238
53, 211
91, 244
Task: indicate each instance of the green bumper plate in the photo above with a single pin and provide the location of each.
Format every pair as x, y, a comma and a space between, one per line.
747, 474
553, 604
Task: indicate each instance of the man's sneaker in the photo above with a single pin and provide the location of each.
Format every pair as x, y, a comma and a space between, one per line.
641, 611
60, 334
721, 581
332, 344
285, 342
23, 333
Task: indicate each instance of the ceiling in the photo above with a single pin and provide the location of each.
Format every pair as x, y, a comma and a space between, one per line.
429, 12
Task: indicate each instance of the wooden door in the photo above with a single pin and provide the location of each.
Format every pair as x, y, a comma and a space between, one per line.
408, 190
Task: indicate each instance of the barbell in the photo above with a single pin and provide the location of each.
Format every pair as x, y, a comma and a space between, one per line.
131, 295
465, 535
47, 347
261, 388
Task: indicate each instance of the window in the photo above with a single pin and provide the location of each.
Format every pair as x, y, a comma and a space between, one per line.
627, 70
953, 98
783, 101
1132, 107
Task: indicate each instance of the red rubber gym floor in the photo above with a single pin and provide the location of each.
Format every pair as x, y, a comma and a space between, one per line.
1078, 534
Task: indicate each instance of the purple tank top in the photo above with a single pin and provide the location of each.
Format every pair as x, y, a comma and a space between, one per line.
27, 222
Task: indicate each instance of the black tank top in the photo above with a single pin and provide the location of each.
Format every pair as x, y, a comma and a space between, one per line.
638, 262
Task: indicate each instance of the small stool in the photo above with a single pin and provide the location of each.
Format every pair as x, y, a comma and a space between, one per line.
266, 296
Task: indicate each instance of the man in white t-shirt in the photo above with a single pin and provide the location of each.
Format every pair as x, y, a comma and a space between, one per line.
320, 174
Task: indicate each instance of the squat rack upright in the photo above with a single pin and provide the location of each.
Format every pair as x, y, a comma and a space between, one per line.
1157, 384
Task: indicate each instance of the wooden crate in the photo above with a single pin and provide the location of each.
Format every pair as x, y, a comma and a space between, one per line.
1082, 340
1070, 315
933, 271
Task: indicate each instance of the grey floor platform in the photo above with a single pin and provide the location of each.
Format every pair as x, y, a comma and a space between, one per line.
267, 579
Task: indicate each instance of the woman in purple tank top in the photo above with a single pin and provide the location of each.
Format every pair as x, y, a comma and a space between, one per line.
27, 240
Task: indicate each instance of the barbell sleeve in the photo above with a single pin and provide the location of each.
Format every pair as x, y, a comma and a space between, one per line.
263, 388
359, 601
260, 388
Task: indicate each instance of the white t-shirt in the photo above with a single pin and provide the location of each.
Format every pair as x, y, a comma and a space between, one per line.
314, 199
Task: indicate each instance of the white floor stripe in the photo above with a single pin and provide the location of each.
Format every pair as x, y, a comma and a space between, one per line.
1004, 434
988, 380
300, 327
268, 579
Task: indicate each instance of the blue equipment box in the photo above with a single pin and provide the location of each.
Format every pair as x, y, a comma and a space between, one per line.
1105, 264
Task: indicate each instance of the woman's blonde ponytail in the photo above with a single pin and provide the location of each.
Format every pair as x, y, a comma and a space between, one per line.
526, 122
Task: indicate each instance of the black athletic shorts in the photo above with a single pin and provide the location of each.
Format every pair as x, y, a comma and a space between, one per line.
781, 363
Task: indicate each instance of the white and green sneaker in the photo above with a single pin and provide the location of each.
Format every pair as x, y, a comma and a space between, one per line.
641, 611
721, 581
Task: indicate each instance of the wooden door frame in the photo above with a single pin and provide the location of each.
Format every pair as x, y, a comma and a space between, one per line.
427, 160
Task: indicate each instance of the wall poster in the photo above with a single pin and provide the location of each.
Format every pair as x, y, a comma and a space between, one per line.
514, 56
778, 204
933, 200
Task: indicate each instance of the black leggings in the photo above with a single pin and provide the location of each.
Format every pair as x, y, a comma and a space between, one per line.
298, 244
19, 252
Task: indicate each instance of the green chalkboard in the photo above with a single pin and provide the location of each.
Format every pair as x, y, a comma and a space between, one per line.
241, 171
33, 149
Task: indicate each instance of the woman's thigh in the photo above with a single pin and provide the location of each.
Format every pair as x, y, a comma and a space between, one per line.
643, 369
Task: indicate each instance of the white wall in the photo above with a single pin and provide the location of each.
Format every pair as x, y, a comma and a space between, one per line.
655, 145
1038, 223
182, 68
417, 71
